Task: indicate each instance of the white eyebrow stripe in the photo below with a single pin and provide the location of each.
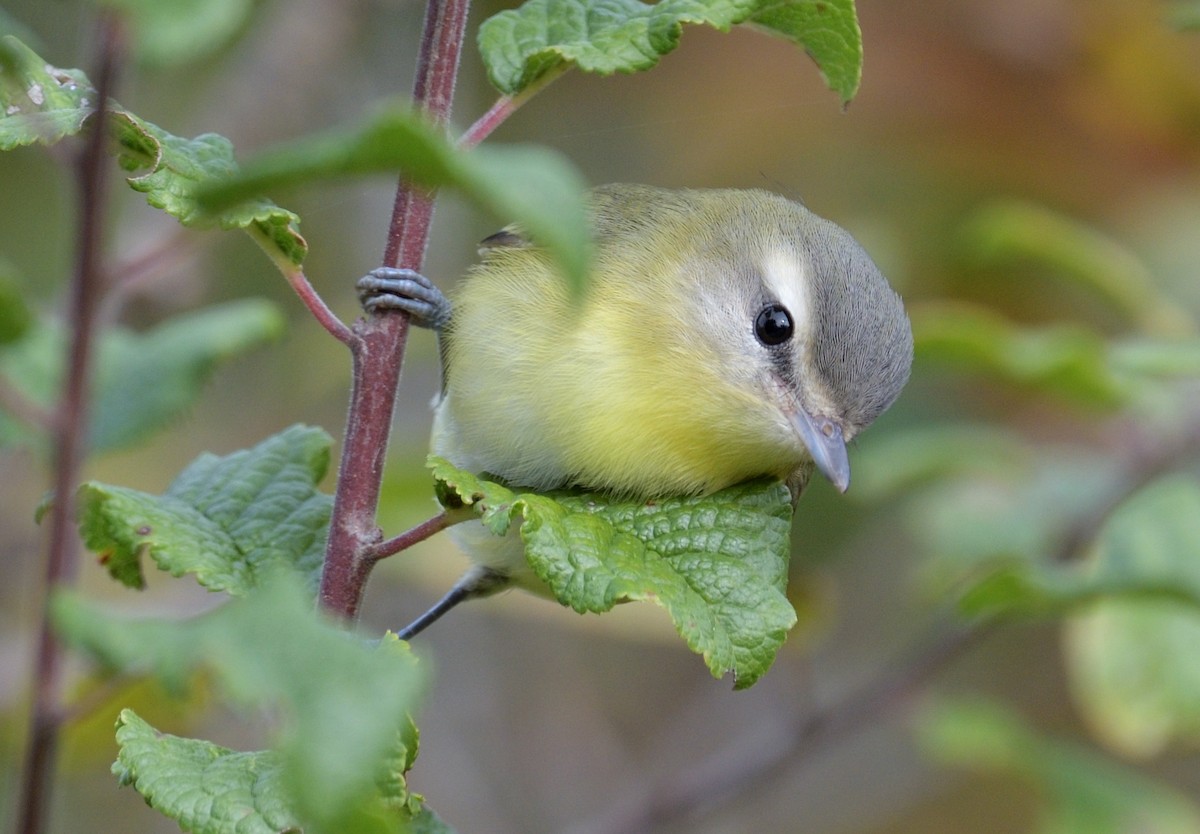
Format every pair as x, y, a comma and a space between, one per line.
787, 277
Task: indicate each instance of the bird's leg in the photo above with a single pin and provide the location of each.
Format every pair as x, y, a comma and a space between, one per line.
389, 288
477, 582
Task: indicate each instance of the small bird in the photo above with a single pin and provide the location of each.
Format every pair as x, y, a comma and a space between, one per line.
723, 335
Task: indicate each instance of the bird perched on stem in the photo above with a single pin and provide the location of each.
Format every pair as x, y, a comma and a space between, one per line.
722, 335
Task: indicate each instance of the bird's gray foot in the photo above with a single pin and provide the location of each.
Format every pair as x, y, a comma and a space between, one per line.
387, 288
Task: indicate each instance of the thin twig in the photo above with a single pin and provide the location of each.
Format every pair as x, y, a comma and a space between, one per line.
70, 435
299, 283
419, 533
316, 305
504, 107
408, 538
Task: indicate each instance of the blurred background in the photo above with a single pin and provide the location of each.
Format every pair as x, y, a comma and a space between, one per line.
1085, 113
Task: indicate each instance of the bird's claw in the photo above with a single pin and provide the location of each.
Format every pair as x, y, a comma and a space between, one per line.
388, 288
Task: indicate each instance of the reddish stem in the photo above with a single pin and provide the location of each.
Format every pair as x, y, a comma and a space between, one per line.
70, 435
319, 309
504, 107
411, 536
378, 352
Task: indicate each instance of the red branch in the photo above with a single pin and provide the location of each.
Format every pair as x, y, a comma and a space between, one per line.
378, 352
489, 121
70, 436
319, 309
428, 527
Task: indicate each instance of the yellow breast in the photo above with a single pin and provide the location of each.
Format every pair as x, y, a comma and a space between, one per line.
616, 392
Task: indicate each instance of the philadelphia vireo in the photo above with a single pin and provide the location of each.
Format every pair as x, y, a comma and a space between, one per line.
723, 335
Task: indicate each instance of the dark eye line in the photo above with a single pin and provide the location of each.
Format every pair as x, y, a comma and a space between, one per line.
773, 325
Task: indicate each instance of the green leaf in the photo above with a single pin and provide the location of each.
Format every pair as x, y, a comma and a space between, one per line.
38, 102
346, 705
1132, 661
1067, 359
826, 30
521, 46
176, 167
201, 785
1011, 231
533, 187
717, 564
171, 32
143, 381
1083, 793
228, 520
1136, 617
208, 788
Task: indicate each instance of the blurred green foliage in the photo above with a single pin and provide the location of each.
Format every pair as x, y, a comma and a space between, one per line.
1026, 174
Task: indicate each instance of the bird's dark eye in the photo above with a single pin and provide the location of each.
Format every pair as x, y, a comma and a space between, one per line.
773, 325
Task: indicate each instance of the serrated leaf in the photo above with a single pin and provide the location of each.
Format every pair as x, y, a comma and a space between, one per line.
827, 31
208, 788
1083, 792
534, 187
1134, 664
41, 103
346, 704
228, 520
38, 102
143, 381
717, 564
522, 45
171, 32
201, 785
1069, 360
178, 166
